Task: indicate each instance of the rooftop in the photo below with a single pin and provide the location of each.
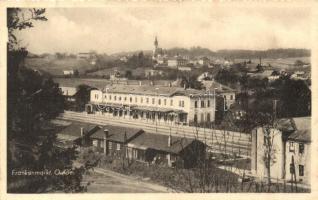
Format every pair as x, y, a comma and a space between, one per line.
117, 133
301, 135
160, 142
300, 128
152, 90
293, 124
211, 85
101, 83
73, 131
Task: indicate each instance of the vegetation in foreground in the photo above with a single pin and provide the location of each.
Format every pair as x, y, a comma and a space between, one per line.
203, 179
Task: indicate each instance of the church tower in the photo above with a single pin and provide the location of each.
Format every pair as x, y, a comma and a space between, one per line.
155, 51
156, 43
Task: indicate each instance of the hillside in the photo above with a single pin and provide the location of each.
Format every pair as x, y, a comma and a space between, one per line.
56, 66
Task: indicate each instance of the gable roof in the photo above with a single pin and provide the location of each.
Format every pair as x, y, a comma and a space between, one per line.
73, 131
160, 142
293, 124
117, 133
301, 135
299, 127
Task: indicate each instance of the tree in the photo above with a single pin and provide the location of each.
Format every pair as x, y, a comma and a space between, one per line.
76, 73
33, 100
128, 74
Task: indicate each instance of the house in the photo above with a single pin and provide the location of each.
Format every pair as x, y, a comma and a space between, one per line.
164, 104
75, 134
186, 69
177, 61
226, 92
86, 55
298, 148
166, 150
290, 155
153, 72
68, 72
112, 139
116, 76
204, 61
299, 75
68, 92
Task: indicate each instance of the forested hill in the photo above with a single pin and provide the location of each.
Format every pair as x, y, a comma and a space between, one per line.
270, 53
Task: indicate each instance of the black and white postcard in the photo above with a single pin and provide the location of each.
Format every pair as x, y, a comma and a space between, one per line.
158, 97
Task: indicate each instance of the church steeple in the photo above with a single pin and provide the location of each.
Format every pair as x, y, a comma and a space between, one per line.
156, 42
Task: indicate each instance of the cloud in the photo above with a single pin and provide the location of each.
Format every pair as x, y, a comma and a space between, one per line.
124, 28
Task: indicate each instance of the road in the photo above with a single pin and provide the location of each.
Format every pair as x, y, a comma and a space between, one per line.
106, 181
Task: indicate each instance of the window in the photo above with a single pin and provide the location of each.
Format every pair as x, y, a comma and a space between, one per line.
130, 99
115, 98
301, 170
147, 100
118, 147
182, 103
110, 145
105, 96
195, 104
125, 98
153, 100
195, 118
119, 98
225, 97
136, 99
208, 105
141, 100
208, 118
110, 97
171, 102
231, 97
165, 102
291, 147
202, 104
159, 101
179, 103
96, 96
301, 147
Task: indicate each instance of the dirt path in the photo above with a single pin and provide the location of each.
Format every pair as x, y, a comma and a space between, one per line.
107, 181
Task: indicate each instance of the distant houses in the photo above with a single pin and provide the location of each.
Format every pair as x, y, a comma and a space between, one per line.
86, 55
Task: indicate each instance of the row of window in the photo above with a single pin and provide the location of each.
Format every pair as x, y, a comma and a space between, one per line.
110, 146
301, 147
141, 100
208, 117
202, 103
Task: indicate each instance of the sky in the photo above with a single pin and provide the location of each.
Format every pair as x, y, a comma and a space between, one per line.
129, 28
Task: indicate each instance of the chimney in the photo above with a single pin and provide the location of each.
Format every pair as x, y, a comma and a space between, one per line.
170, 84
184, 86
82, 131
82, 136
106, 135
169, 141
151, 83
139, 83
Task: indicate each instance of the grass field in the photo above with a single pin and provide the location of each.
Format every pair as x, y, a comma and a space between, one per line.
56, 66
